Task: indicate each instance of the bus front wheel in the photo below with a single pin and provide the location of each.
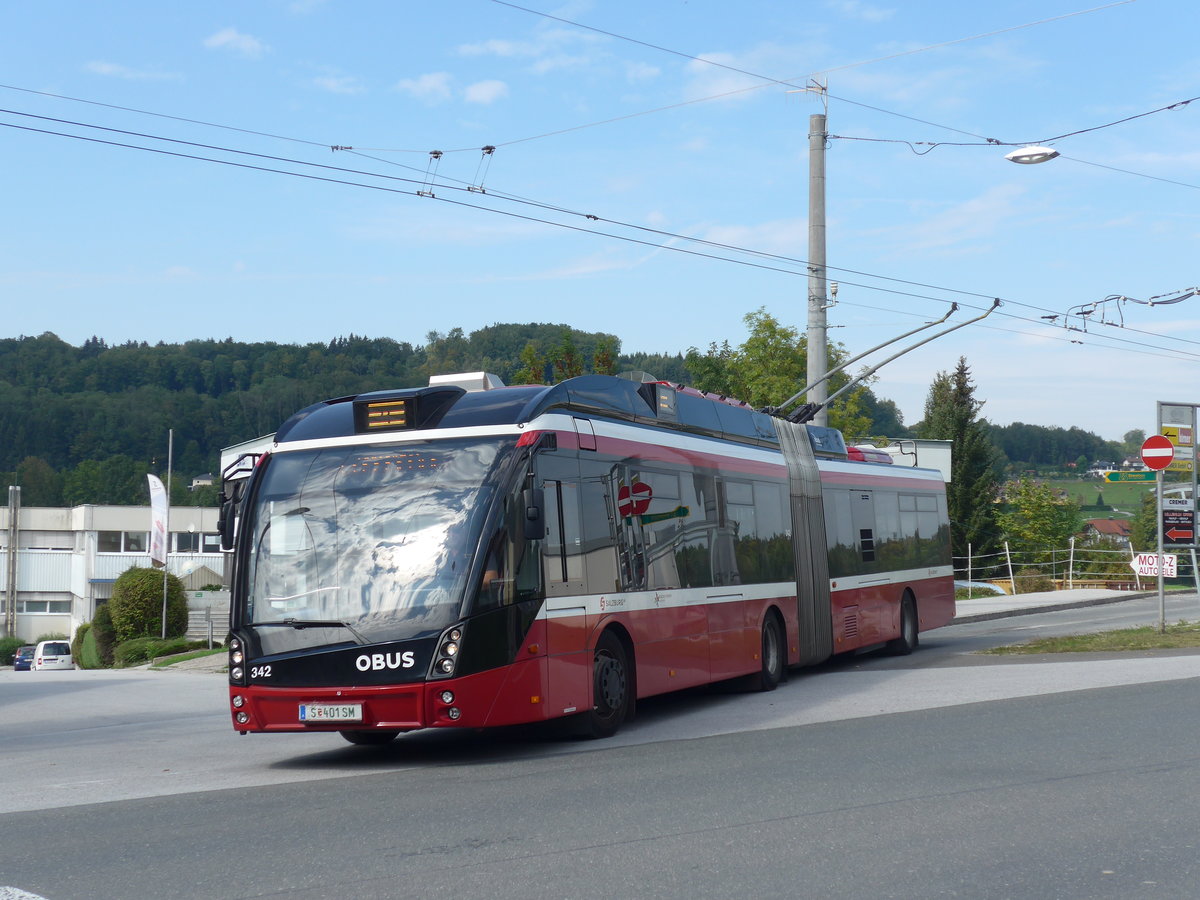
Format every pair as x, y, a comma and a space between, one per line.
772, 654
610, 687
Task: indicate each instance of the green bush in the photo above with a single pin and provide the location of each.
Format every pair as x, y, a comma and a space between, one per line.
137, 604
89, 653
8, 649
102, 632
1032, 581
136, 651
77, 641
49, 636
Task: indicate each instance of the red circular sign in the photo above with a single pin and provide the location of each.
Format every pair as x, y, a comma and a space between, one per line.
633, 501
1157, 452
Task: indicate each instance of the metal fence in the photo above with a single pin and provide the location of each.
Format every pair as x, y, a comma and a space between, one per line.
1075, 566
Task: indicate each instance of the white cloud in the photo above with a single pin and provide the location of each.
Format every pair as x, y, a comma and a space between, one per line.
335, 83
787, 237
431, 88
968, 223
485, 92
863, 12
495, 47
636, 72
551, 48
242, 44
114, 70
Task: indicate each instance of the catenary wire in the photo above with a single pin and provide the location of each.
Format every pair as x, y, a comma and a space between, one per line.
1134, 346
800, 265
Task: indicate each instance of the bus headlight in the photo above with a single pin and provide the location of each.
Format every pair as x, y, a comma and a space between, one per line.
445, 661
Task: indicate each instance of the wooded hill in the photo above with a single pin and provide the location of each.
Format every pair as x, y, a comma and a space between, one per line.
84, 424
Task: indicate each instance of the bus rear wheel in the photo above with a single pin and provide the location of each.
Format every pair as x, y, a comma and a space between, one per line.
370, 738
909, 637
610, 687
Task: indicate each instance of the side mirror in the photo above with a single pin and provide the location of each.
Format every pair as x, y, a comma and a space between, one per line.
231, 495
534, 501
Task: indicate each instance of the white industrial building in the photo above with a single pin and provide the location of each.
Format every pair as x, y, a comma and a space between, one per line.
66, 560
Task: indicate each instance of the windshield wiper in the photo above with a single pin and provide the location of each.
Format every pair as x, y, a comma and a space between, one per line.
300, 624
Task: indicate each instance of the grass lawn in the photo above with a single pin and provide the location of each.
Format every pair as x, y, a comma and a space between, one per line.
1182, 635
164, 661
1125, 496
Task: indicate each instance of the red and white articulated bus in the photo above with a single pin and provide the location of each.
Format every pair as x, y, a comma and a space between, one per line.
442, 557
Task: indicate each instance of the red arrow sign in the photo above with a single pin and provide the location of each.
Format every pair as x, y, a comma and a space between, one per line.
1179, 534
1157, 452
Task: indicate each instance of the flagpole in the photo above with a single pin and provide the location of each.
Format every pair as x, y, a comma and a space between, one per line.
167, 547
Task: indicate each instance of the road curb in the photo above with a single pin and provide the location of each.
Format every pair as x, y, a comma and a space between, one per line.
1049, 607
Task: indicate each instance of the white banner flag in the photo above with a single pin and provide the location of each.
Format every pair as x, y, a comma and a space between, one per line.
158, 521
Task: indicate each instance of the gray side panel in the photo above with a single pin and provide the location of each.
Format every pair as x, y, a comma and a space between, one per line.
809, 543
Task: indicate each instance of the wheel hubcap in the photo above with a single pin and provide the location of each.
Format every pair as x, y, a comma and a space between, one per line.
610, 683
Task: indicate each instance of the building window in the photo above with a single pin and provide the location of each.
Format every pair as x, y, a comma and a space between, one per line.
121, 541
186, 542
210, 543
43, 606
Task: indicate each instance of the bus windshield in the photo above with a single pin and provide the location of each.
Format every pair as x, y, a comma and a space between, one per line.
378, 539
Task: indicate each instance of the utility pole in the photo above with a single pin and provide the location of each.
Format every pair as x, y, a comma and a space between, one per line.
817, 344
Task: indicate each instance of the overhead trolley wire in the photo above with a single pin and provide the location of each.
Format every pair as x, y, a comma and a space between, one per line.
788, 265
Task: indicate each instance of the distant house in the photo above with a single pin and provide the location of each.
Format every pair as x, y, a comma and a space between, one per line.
1107, 528
205, 480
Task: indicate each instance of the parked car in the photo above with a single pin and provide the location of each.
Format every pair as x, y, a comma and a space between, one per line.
23, 658
52, 655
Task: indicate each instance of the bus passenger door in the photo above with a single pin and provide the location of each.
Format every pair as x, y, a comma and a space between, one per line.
568, 674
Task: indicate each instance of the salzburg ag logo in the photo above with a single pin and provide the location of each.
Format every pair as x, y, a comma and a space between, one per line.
378, 661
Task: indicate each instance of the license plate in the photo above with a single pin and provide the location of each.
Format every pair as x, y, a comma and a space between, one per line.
331, 712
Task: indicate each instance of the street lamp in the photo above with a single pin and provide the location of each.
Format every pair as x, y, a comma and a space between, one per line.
1028, 156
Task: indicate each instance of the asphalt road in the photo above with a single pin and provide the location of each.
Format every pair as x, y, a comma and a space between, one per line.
942, 774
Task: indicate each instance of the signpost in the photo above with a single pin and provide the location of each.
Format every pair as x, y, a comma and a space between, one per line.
1178, 520
1112, 477
1157, 453
1146, 564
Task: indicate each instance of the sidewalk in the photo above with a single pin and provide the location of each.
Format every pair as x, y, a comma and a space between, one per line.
1000, 606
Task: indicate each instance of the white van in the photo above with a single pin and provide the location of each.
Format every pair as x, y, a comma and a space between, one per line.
52, 655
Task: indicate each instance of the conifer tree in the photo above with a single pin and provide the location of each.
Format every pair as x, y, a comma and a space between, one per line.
951, 414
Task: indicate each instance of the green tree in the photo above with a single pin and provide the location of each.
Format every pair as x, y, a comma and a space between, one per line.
568, 363
136, 606
604, 359
1035, 521
1143, 527
40, 484
769, 367
951, 414
533, 366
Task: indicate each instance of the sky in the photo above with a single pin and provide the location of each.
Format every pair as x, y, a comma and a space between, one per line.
650, 179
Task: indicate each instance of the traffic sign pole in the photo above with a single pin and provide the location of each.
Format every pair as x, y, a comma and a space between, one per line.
1162, 594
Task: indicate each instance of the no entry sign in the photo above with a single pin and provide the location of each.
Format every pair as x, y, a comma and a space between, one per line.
1157, 452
